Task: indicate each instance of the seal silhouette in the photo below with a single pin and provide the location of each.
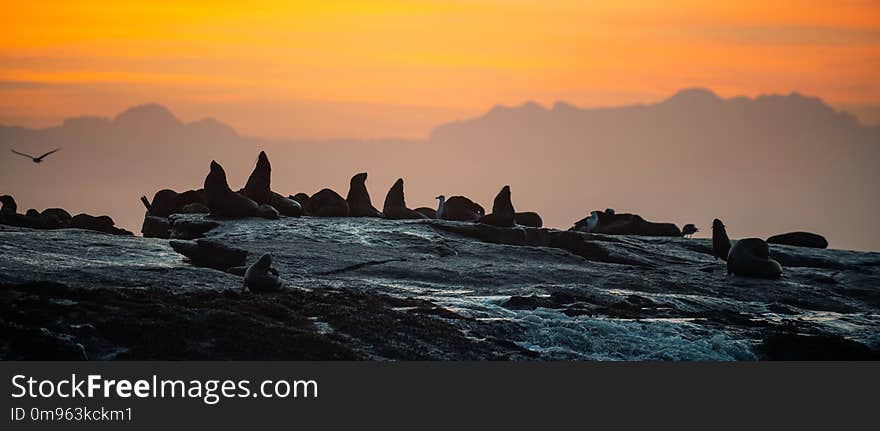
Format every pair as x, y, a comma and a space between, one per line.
258, 187
222, 200
459, 208
529, 218
503, 214
359, 203
750, 257
720, 241
427, 212
327, 203
9, 205
799, 239
261, 277
395, 204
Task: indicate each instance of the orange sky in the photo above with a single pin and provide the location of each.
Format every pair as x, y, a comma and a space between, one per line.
328, 68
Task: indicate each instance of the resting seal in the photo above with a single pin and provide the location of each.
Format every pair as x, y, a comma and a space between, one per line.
529, 218
751, 257
430, 213
395, 204
327, 203
359, 203
9, 205
302, 199
261, 277
258, 187
459, 208
503, 214
720, 241
799, 239
222, 200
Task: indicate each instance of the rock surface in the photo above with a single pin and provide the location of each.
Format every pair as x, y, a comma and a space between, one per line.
373, 289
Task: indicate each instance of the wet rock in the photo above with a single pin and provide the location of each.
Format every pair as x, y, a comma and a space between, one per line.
156, 227
210, 254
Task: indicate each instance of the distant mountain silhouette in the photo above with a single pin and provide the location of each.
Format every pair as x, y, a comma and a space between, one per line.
765, 165
769, 164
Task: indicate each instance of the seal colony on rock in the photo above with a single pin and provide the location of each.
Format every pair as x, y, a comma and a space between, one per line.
327, 203
359, 202
55, 218
720, 241
222, 200
395, 204
750, 257
503, 214
799, 239
261, 277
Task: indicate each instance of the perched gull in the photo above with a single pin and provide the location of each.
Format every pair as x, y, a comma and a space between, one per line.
36, 159
441, 207
688, 230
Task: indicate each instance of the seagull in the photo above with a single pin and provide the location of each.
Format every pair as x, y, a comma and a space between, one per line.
688, 230
36, 159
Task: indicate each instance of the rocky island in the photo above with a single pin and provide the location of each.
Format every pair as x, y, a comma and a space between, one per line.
378, 289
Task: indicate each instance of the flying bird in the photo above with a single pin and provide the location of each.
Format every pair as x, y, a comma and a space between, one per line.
36, 159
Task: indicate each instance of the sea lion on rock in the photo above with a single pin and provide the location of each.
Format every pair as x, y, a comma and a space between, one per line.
59, 213
222, 200
610, 223
503, 214
720, 241
102, 223
190, 197
194, 208
258, 187
799, 239
286, 206
395, 204
210, 254
359, 203
529, 218
302, 199
261, 277
164, 203
268, 212
587, 224
459, 208
750, 257
427, 212
9, 205
327, 203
